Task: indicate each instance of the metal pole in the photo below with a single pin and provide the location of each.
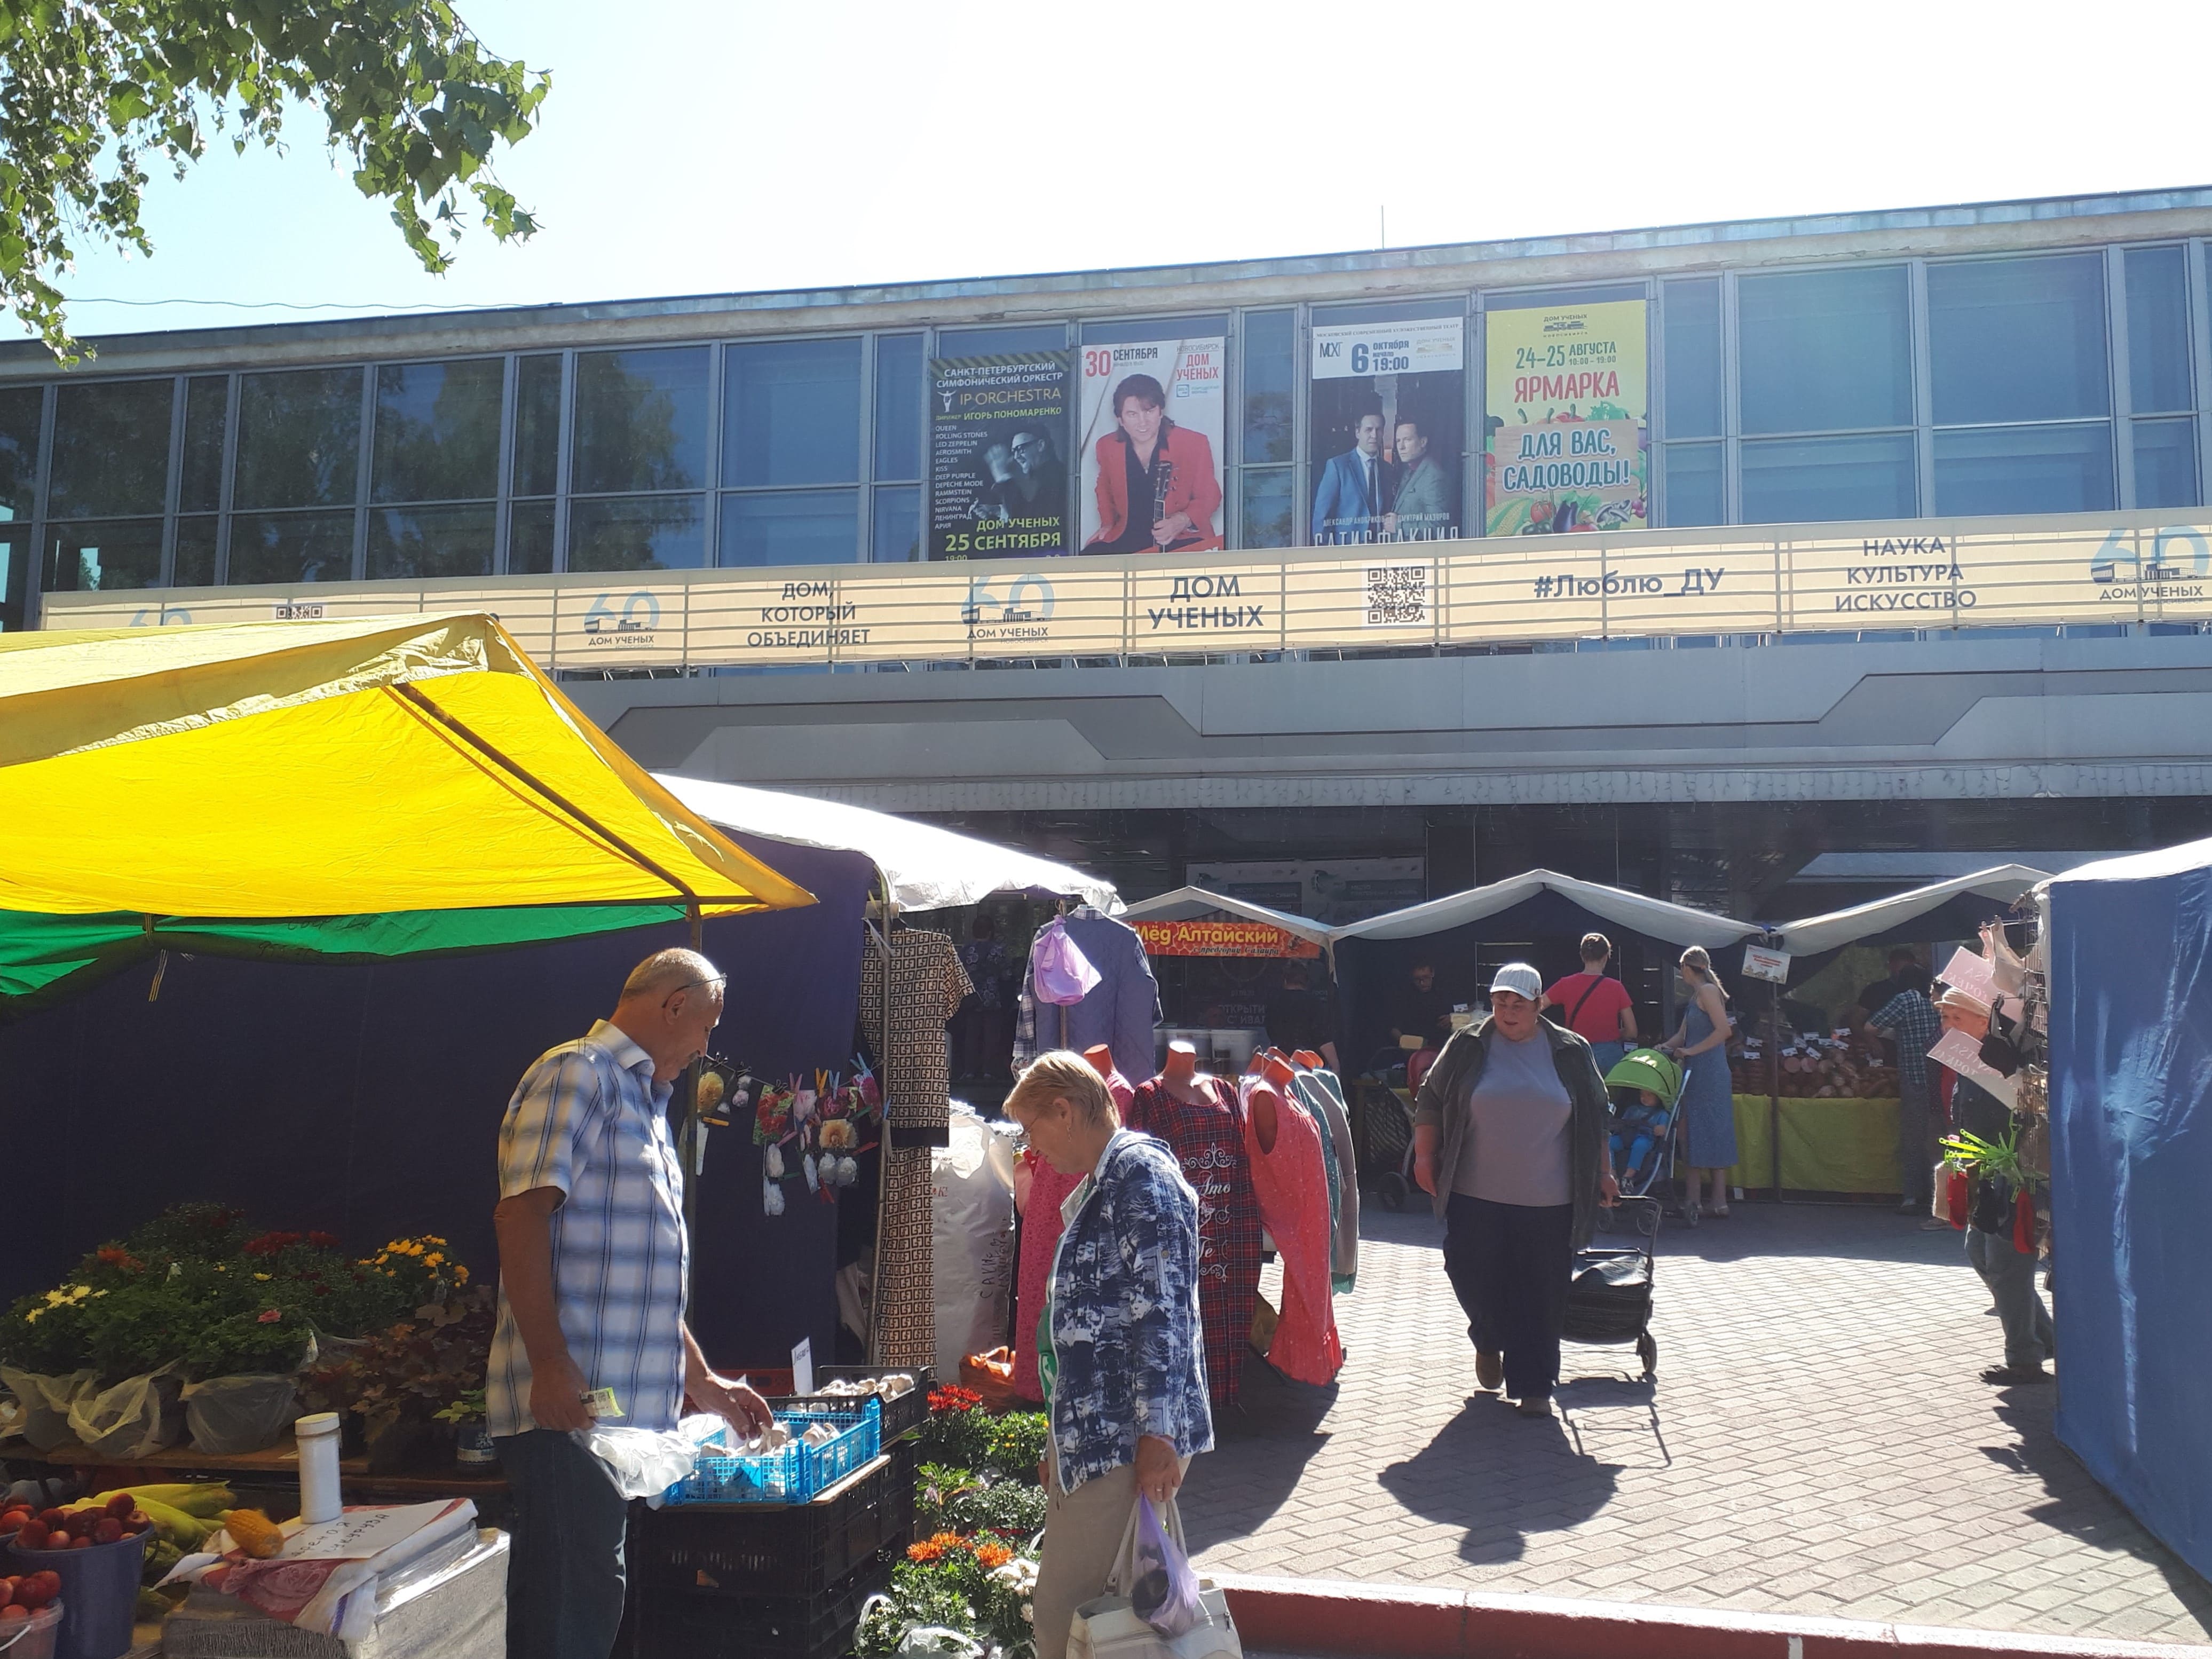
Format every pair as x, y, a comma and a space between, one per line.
881, 939
1774, 1086
694, 1132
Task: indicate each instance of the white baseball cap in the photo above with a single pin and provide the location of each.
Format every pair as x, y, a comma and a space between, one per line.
1519, 978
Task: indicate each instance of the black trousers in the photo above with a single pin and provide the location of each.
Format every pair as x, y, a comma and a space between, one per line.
564, 1576
1510, 1266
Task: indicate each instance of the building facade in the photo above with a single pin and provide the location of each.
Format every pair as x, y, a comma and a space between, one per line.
1679, 556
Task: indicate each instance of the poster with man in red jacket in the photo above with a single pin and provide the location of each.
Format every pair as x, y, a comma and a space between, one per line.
1152, 422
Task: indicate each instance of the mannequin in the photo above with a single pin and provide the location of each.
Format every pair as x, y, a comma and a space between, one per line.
1291, 1179
1197, 1118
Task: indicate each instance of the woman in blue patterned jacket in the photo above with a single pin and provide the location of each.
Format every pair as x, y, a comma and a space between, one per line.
1120, 1349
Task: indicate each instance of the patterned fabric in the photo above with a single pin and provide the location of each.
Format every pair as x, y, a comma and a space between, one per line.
1025, 1019
1208, 1140
1292, 1183
927, 985
904, 1302
588, 1119
1125, 1319
1918, 1028
988, 968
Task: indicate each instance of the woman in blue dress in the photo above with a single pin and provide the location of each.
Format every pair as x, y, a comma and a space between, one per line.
1707, 1108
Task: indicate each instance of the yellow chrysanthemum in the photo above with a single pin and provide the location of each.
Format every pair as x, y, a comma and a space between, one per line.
263, 1278
434, 1260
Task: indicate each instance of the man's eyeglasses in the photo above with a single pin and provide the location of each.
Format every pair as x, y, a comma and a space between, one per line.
689, 984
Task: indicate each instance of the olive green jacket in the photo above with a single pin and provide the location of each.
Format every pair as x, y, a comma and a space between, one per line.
1442, 1105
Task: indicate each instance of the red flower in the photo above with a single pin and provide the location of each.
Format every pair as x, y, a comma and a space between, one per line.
115, 1257
954, 1398
323, 1240
270, 1243
270, 1315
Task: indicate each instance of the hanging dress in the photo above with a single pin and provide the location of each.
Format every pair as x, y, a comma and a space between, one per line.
1292, 1183
1041, 1227
1320, 1094
1208, 1141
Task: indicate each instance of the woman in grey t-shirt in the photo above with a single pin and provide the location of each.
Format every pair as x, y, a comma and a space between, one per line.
1509, 1139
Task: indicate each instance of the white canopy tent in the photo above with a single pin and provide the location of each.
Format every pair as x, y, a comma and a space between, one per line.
1678, 924
1815, 934
926, 868
1193, 903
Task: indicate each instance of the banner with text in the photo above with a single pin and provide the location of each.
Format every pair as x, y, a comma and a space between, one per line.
998, 456
1153, 414
1565, 409
1222, 938
1389, 427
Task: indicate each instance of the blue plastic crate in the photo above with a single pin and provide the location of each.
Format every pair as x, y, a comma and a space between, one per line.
794, 1474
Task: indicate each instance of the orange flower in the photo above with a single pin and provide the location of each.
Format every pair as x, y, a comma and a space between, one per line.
924, 1551
988, 1556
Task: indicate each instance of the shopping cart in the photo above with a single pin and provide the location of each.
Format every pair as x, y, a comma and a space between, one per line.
1387, 1126
1609, 1297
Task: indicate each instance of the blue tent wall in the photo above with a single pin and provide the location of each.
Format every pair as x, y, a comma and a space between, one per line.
366, 1099
2131, 1161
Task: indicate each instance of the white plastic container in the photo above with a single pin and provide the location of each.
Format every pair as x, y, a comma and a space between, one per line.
317, 1437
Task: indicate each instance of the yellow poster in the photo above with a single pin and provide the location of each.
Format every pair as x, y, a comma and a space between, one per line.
1566, 405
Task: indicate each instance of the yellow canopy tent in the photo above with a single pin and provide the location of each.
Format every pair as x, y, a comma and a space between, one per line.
350, 789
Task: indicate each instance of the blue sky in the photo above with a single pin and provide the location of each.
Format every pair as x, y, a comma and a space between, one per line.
691, 146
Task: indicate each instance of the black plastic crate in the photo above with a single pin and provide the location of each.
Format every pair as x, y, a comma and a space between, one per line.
901, 1416
719, 1551
761, 1627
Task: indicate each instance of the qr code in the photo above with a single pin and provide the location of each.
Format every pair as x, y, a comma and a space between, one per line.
1397, 594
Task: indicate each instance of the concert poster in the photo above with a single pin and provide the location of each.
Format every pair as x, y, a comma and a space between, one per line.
998, 456
1171, 394
1387, 429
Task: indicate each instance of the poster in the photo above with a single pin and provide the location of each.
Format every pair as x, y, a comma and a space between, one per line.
1222, 938
1388, 428
998, 456
1565, 407
1163, 403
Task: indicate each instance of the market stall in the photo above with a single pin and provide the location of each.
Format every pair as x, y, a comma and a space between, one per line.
1223, 988
2130, 1103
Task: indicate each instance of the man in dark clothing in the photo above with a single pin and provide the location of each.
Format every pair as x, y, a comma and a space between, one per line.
1911, 1019
1424, 1009
1299, 1017
2008, 1272
1872, 1000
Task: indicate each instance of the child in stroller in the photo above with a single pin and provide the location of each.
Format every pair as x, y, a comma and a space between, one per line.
1645, 1085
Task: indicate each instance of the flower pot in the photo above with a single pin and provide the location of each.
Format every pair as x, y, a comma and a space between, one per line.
473, 1452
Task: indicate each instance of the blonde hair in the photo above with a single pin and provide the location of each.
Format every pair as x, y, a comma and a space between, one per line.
1696, 958
1063, 1074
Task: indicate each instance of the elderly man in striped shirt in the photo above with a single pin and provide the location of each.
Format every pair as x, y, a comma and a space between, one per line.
593, 1263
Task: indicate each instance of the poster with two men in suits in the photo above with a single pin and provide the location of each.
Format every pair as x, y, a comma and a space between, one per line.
1387, 427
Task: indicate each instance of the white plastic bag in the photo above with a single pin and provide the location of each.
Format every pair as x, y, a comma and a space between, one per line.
971, 1239
249, 1413
46, 1401
137, 1417
644, 1462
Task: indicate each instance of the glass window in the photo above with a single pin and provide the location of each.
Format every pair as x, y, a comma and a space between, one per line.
195, 561
1689, 313
1270, 374
2158, 330
644, 532
291, 547
111, 448
207, 402
1267, 506
299, 440
103, 558
2031, 468
1140, 331
12, 567
898, 406
19, 410
2018, 339
805, 526
432, 541
2166, 461
530, 539
536, 425
1823, 351
897, 527
993, 341
791, 412
437, 430
1809, 480
1694, 495
640, 423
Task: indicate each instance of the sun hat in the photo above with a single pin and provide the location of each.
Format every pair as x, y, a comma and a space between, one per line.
1519, 978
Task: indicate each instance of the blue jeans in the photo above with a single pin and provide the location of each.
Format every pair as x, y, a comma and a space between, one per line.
564, 1578
1610, 1055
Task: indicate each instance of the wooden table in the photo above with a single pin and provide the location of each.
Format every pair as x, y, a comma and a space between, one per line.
278, 1463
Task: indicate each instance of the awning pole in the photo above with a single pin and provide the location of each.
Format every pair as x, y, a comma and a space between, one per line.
880, 937
695, 1136
1774, 1087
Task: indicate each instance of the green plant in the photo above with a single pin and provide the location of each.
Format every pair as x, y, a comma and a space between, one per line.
1997, 1160
414, 1370
1016, 1445
469, 1408
980, 1586
957, 1431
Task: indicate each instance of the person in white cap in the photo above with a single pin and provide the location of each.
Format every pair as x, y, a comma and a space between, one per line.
1510, 1140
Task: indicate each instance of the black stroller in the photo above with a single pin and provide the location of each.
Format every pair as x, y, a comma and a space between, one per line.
1609, 1297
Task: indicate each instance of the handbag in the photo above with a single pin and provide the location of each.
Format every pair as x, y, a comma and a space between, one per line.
1110, 1626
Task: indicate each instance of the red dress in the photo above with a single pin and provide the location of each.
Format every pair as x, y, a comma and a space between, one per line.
1208, 1141
1040, 1231
1292, 1183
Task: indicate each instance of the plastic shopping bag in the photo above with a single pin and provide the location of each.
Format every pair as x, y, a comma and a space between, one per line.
229, 1415
139, 1416
1061, 974
1111, 1626
1162, 1589
45, 1403
645, 1463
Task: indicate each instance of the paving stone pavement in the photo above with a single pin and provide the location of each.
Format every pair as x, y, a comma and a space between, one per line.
1818, 1442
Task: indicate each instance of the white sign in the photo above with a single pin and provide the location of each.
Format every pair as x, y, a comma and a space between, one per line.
1760, 963
1972, 974
1959, 1053
802, 1367
1355, 351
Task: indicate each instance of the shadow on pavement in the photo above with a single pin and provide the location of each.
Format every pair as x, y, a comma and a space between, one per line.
1260, 1454
1501, 1476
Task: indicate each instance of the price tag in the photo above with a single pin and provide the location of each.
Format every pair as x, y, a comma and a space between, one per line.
1760, 963
601, 1402
802, 1367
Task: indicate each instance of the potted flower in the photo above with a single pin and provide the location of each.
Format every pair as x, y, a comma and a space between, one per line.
472, 1447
